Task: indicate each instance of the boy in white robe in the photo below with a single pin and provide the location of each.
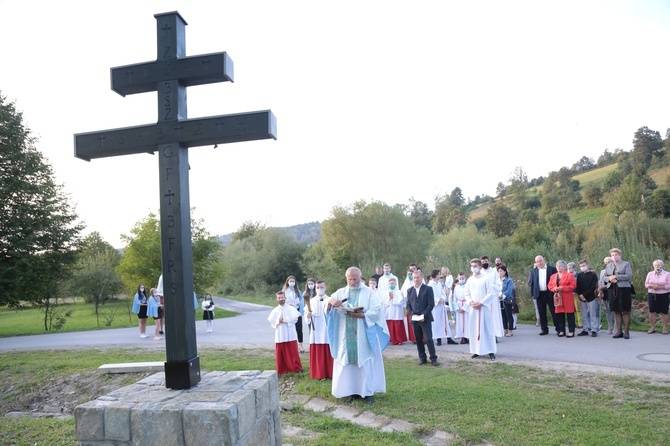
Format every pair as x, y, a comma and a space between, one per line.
320, 358
461, 308
440, 326
479, 293
496, 312
394, 304
283, 319
357, 339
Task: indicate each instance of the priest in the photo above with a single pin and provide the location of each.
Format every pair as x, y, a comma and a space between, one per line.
357, 334
479, 293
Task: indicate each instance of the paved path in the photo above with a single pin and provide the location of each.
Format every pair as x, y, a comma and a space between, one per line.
642, 352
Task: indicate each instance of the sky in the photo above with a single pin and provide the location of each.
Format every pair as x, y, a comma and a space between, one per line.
375, 100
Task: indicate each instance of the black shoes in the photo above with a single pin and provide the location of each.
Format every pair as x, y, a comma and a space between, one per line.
369, 399
618, 335
350, 399
544, 333
492, 356
626, 335
434, 362
422, 362
583, 333
464, 341
439, 341
475, 356
594, 334
451, 342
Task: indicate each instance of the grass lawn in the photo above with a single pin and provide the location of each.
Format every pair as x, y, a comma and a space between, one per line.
586, 216
30, 321
478, 401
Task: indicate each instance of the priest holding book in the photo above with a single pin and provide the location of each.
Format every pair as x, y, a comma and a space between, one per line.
357, 334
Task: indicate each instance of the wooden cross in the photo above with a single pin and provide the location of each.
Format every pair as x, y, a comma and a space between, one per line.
171, 136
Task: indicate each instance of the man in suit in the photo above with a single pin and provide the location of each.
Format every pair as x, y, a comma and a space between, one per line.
538, 280
420, 302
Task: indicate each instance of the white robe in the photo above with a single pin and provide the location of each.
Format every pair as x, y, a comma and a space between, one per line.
319, 333
481, 335
496, 312
460, 303
395, 307
440, 324
367, 376
383, 282
284, 331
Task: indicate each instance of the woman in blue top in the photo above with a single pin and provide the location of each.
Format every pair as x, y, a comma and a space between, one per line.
140, 304
507, 298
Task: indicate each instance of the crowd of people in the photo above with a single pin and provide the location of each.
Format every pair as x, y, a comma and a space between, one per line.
349, 329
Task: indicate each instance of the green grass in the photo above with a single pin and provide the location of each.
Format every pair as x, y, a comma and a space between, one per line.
586, 216
30, 321
476, 400
597, 176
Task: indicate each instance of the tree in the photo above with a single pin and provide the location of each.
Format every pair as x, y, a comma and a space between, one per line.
593, 194
141, 262
628, 197
647, 143
658, 204
39, 231
365, 234
500, 220
420, 214
456, 197
261, 262
583, 165
500, 190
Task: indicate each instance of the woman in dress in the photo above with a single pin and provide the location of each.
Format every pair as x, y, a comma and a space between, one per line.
208, 312
658, 287
562, 283
140, 304
155, 309
618, 274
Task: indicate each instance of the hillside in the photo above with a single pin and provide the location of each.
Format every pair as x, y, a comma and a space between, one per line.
305, 233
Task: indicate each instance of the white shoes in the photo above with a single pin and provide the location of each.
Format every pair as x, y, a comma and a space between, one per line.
144, 335
209, 331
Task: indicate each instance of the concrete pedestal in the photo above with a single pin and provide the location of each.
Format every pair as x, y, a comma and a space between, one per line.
225, 408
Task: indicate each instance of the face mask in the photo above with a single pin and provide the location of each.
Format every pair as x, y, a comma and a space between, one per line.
584, 268
320, 291
310, 286
392, 287
373, 285
281, 302
411, 276
474, 269
291, 284
461, 281
387, 273
485, 265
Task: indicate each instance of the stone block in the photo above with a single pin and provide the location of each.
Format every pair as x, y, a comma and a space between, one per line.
273, 381
319, 405
211, 424
245, 400
276, 424
117, 421
260, 434
261, 388
154, 423
89, 421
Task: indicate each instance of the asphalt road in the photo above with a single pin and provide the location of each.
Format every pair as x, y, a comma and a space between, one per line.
642, 352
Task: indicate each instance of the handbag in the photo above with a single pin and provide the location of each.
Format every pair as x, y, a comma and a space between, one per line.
558, 300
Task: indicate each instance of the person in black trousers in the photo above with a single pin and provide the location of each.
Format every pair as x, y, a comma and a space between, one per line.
538, 280
420, 303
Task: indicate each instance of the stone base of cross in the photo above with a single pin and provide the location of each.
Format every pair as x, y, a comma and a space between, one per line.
171, 137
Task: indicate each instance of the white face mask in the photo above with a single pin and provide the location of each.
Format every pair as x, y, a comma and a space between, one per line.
584, 268
310, 286
320, 291
474, 269
291, 284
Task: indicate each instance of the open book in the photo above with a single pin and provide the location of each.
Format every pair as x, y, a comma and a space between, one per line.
344, 309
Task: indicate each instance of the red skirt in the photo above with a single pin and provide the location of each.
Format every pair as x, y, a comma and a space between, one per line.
287, 357
320, 361
397, 331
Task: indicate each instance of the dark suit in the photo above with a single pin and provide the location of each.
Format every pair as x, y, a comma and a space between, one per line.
422, 304
544, 298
